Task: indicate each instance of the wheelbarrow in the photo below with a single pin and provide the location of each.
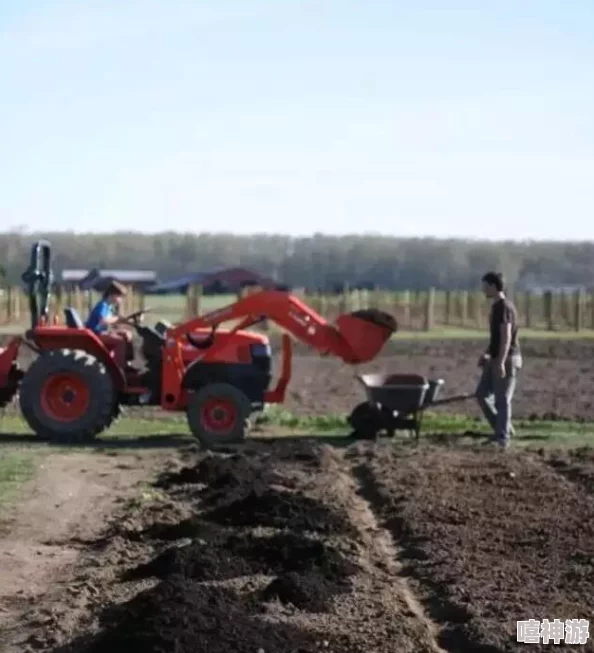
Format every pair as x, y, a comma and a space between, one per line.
396, 402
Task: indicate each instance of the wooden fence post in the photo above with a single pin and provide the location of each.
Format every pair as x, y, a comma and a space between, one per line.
528, 309
58, 301
578, 309
429, 309
448, 308
548, 310
476, 309
15, 304
463, 298
8, 313
405, 298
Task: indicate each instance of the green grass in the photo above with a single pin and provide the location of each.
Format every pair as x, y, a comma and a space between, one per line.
16, 467
528, 432
171, 430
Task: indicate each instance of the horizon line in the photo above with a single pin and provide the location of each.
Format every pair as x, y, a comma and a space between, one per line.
23, 233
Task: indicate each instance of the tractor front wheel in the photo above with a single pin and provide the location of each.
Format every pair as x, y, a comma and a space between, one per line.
218, 414
67, 396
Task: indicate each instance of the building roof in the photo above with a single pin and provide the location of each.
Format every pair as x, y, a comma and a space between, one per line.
234, 278
89, 277
73, 275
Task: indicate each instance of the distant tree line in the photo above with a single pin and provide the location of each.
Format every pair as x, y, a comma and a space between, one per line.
316, 262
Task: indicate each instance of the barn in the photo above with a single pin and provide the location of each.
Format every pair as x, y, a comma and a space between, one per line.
217, 281
97, 279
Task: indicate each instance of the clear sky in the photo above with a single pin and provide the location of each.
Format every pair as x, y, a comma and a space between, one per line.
434, 117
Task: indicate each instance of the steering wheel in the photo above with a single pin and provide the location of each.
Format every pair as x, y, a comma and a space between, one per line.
134, 319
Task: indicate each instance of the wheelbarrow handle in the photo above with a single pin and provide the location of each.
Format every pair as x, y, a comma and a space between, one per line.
453, 399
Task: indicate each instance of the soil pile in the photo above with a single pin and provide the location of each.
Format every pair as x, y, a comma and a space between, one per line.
183, 617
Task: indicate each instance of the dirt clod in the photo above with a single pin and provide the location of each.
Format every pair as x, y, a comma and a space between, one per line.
309, 592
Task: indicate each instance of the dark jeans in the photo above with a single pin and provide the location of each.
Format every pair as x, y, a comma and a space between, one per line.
495, 395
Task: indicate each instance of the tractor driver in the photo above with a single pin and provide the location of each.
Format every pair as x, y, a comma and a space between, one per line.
103, 319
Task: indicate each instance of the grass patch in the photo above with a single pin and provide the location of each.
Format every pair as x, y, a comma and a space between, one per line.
171, 430
15, 469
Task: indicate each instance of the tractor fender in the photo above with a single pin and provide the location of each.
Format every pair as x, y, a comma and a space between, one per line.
252, 381
10, 373
8, 358
50, 338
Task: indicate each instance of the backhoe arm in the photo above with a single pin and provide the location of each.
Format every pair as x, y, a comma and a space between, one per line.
357, 337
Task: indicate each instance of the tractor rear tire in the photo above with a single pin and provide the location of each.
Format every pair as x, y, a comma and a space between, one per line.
218, 415
67, 396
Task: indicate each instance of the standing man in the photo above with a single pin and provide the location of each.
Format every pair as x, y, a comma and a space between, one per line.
501, 362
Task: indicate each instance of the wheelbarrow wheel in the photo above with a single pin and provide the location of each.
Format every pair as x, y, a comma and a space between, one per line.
365, 421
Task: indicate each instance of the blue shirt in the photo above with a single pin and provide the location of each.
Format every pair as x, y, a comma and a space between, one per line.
102, 310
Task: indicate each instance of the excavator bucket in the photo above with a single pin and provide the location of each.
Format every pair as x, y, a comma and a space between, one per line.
365, 332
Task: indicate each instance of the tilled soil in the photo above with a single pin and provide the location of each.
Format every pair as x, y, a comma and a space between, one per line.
295, 546
488, 542
557, 379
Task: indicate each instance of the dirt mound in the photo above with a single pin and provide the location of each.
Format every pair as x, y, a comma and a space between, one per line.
185, 617
229, 471
214, 470
198, 560
292, 552
185, 476
171, 530
278, 509
310, 592
240, 555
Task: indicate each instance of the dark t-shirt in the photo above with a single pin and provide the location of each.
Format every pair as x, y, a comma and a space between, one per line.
502, 312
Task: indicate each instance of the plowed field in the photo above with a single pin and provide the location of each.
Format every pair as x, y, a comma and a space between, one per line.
293, 546
557, 380
289, 545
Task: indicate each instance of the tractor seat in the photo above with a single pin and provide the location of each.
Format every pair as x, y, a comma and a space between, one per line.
73, 320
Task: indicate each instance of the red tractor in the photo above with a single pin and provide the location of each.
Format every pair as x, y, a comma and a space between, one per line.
74, 388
